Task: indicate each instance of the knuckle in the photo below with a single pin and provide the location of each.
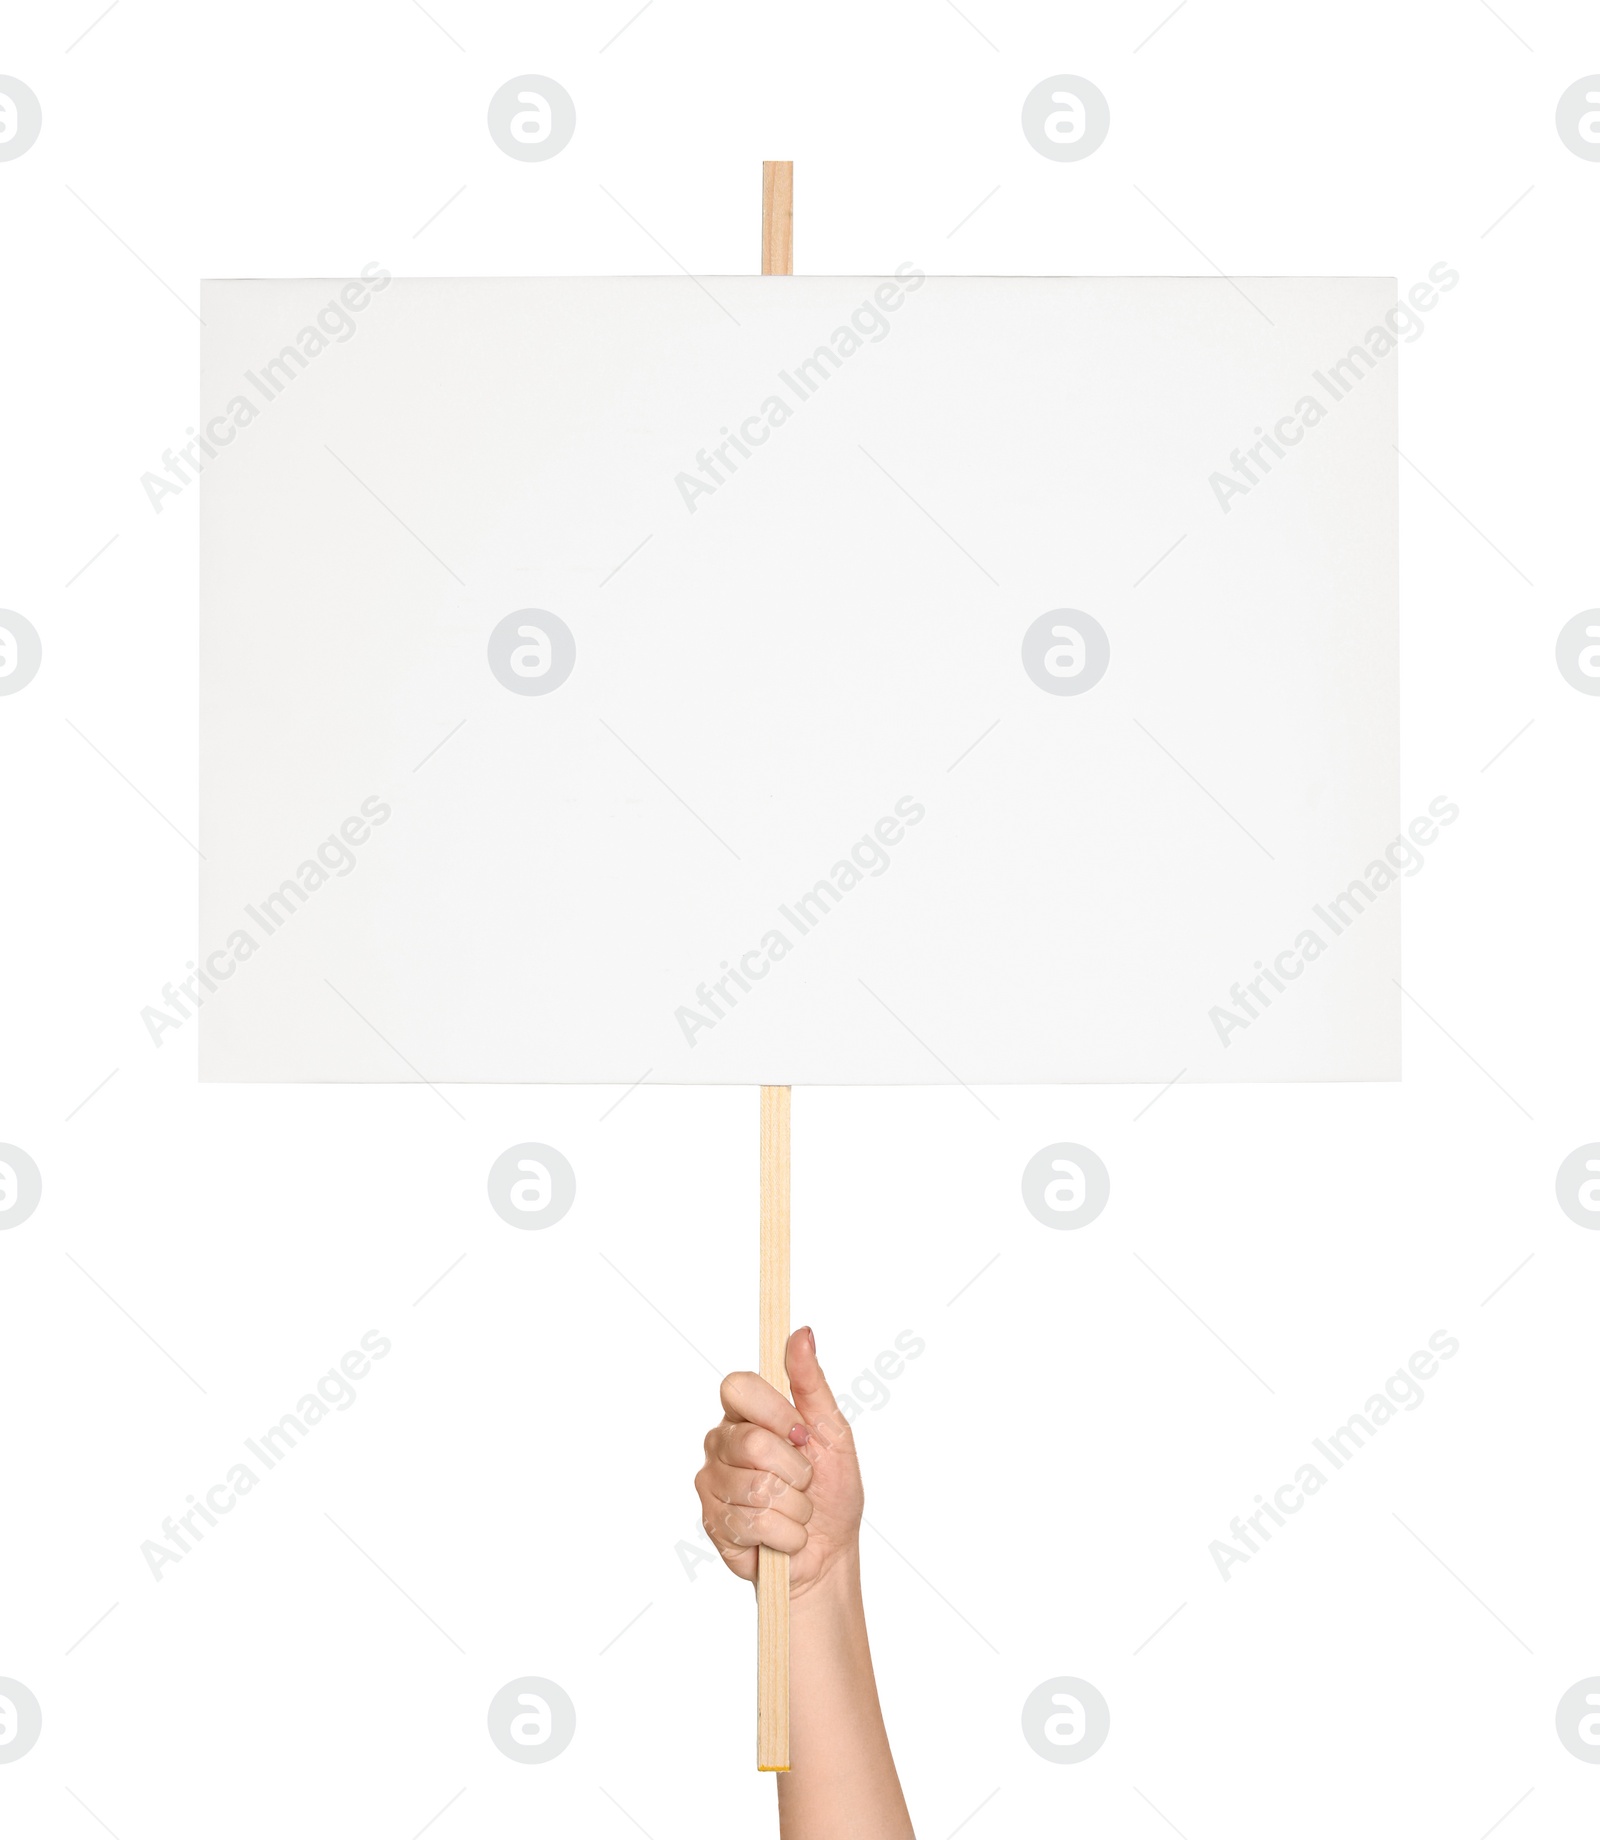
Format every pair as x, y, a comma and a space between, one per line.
763, 1488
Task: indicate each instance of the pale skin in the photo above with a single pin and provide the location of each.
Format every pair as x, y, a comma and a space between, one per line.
786, 1476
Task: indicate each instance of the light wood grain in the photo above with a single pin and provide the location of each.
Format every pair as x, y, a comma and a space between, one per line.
772, 1568
777, 217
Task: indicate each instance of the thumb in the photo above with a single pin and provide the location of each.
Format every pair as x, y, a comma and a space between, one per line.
813, 1397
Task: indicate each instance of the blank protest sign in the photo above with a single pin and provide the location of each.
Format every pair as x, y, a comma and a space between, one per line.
923, 710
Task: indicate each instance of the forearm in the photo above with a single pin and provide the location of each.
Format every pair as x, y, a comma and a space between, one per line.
842, 1783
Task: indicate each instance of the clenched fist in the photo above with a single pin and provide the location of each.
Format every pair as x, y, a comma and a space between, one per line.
782, 1475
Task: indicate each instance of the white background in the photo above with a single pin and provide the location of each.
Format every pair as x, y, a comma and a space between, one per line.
1047, 1476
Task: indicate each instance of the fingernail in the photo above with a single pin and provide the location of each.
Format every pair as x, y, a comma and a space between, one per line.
798, 1435
806, 1332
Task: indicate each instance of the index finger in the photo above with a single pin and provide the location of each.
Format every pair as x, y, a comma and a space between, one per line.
748, 1399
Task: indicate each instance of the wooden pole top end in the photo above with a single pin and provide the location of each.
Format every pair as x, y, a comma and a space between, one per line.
777, 217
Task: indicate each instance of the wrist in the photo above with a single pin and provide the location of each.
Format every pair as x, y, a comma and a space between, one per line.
834, 1591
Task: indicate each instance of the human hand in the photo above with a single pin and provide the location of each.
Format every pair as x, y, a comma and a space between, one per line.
782, 1475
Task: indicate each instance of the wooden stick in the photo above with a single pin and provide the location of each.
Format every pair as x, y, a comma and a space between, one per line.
777, 217
772, 1568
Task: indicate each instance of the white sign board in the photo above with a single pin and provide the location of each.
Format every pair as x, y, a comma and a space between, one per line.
800, 681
